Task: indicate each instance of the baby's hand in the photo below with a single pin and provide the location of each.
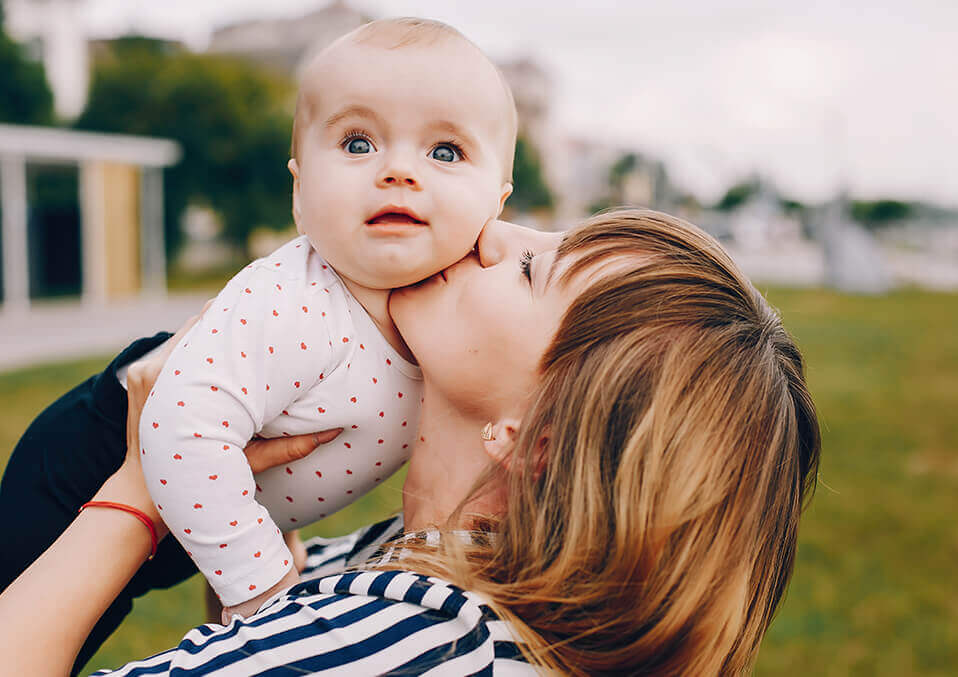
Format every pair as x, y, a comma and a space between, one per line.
251, 606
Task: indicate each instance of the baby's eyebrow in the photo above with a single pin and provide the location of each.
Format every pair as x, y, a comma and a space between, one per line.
354, 111
454, 129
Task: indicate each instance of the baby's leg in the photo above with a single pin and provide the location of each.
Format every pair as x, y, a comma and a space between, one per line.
60, 462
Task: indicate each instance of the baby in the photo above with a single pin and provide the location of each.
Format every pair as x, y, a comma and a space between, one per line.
402, 150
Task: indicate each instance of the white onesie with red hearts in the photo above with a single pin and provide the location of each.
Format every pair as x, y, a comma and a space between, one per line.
285, 349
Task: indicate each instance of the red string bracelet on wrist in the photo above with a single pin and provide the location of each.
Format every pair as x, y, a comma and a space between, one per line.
139, 514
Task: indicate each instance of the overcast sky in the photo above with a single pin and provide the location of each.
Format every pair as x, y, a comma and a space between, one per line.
815, 94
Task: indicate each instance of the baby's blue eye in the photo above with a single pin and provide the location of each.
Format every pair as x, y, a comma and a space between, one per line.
445, 152
358, 146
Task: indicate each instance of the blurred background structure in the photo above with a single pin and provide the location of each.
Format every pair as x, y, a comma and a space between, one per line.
143, 151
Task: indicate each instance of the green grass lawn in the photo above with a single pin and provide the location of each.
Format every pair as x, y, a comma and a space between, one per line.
875, 590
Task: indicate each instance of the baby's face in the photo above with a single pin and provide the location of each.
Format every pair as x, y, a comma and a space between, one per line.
403, 160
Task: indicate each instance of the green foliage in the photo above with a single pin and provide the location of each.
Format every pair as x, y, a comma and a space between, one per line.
231, 119
529, 187
879, 212
737, 195
25, 97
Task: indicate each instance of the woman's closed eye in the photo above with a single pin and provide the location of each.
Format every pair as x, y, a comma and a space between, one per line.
446, 152
525, 264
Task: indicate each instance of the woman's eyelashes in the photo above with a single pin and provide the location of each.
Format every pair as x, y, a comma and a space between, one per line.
525, 264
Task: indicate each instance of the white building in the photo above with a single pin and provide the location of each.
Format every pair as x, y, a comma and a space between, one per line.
52, 31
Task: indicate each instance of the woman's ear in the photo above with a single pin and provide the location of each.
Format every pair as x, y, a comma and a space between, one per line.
499, 441
294, 170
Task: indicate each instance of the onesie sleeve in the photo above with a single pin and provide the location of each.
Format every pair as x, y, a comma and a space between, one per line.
260, 345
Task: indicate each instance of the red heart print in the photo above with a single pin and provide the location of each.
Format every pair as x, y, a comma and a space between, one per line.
177, 372
259, 520
388, 361
362, 347
187, 531
380, 441
289, 498
245, 492
353, 399
233, 523
403, 424
319, 473
320, 499
302, 345
214, 388
218, 572
267, 387
257, 553
197, 506
271, 350
375, 380
285, 413
355, 427
277, 264
181, 403
177, 457
226, 424
210, 360
245, 391
248, 290
155, 425
400, 395
259, 488
280, 287
285, 562
296, 383
348, 445
213, 477
197, 435
349, 491
242, 320
252, 587
381, 414
162, 481
348, 471
242, 354
226, 447
159, 507
379, 463
288, 471
322, 375
223, 545
305, 309
214, 331
291, 519
345, 339
275, 314
320, 410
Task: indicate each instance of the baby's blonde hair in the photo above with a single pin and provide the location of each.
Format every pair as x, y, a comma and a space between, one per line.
396, 34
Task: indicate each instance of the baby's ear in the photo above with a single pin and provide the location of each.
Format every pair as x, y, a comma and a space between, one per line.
504, 195
294, 170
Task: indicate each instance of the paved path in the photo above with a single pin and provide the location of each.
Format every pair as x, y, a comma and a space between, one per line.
51, 332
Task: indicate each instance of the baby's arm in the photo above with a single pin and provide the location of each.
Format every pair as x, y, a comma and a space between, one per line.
254, 351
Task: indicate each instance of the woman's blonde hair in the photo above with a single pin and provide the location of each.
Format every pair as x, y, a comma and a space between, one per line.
657, 481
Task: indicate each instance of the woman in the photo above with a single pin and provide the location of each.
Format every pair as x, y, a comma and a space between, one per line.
643, 440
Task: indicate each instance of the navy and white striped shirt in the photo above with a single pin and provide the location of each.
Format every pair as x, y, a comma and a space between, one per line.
357, 623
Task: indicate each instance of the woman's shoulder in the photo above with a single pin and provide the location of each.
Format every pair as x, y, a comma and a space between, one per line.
368, 622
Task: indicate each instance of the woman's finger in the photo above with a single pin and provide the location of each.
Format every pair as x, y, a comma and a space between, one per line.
266, 453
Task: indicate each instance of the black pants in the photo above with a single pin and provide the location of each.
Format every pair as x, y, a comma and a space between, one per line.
60, 462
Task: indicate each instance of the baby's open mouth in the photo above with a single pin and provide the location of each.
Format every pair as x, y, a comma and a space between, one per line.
395, 217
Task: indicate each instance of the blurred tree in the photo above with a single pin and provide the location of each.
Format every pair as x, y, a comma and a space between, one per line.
25, 97
529, 187
231, 119
737, 195
877, 213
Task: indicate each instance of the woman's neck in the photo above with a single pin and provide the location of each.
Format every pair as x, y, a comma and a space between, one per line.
447, 459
